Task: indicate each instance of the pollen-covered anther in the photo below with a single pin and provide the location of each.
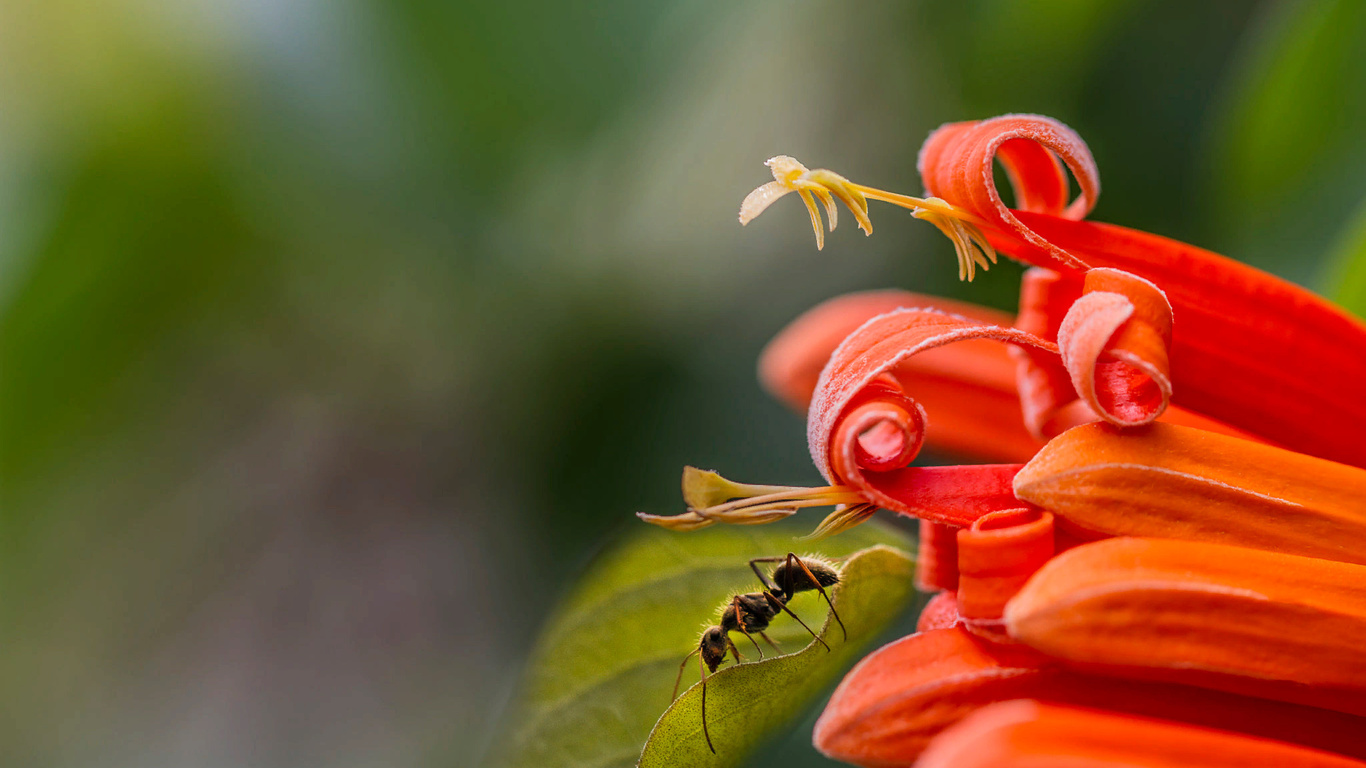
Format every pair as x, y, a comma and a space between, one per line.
713, 499
789, 175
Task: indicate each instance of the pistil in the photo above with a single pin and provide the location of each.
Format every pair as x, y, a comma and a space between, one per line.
713, 499
789, 175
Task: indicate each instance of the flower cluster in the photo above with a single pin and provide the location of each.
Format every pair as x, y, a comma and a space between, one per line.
1170, 566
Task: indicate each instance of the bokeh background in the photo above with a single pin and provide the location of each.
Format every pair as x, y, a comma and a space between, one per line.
335, 337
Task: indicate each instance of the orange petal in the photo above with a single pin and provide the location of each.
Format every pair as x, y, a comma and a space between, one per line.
1176, 482
1248, 349
996, 556
936, 560
901, 696
941, 612
969, 386
1030, 734
1255, 622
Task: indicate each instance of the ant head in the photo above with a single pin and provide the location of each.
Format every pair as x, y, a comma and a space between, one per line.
790, 577
713, 646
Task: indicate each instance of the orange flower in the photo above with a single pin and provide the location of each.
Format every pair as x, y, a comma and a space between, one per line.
1178, 543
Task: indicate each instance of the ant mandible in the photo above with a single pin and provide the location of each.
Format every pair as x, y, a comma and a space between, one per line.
752, 612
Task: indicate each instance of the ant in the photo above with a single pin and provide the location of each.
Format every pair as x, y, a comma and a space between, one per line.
752, 613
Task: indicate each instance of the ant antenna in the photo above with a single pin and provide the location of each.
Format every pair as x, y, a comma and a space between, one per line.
681, 665
703, 669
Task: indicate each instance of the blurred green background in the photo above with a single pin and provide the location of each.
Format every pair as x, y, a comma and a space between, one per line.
335, 337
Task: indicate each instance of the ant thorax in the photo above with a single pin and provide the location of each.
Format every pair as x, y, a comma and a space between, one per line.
748, 613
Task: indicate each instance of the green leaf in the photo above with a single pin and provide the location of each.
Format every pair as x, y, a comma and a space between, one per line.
1348, 260
605, 665
747, 702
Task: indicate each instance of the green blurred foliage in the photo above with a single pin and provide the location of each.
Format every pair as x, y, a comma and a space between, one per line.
1289, 164
334, 337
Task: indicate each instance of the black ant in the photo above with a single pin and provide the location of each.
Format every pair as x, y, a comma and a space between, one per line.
752, 613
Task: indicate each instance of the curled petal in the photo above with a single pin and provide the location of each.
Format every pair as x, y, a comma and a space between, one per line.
1259, 623
996, 556
1177, 482
956, 164
876, 348
1128, 320
760, 199
1028, 734
969, 386
894, 702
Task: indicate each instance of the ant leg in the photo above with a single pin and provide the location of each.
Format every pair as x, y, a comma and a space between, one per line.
740, 626
679, 679
733, 649
754, 642
773, 599
768, 640
766, 581
703, 669
819, 588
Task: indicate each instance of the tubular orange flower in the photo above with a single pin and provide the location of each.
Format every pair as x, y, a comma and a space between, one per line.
1181, 533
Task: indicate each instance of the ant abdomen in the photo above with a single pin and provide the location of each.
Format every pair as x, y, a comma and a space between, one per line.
791, 578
